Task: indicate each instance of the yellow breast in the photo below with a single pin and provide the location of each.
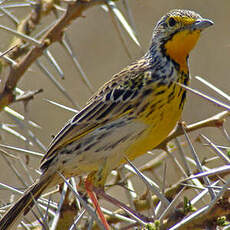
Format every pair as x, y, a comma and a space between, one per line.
161, 115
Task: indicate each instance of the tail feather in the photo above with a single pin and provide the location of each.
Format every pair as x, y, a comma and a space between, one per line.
21, 207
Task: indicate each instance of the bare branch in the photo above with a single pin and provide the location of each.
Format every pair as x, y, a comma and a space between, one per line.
74, 10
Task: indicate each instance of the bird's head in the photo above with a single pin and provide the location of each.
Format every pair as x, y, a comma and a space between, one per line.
177, 33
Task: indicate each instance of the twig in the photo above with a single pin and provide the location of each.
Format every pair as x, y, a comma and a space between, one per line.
74, 10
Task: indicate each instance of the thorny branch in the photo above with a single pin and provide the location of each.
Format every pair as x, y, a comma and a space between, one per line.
210, 220
74, 10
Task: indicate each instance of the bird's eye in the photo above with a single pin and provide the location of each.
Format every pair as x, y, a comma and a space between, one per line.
171, 21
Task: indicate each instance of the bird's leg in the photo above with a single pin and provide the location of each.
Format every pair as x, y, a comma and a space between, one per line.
98, 179
101, 193
95, 185
93, 180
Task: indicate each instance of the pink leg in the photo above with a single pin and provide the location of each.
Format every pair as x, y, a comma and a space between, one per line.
101, 193
88, 187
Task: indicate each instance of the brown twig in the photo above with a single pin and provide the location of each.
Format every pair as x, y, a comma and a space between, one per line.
28, 95
54, 34
142, 204
208, 220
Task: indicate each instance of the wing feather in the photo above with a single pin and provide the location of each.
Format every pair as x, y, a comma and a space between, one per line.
107, 105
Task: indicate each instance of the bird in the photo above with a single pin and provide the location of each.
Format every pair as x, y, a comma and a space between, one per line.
129, 115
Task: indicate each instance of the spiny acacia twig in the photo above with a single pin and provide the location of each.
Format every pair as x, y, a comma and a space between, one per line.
74, 10
28, 25
210, 220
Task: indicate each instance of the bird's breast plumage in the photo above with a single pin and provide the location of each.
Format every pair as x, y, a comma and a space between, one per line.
160, 111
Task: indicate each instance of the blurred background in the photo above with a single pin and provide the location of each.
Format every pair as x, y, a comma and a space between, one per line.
101, 54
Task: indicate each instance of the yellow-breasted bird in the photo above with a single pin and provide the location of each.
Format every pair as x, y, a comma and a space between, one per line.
129, 115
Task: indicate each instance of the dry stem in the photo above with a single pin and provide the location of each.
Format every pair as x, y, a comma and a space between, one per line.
54, 34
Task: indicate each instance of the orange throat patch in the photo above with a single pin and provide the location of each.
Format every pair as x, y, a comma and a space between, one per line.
179, 47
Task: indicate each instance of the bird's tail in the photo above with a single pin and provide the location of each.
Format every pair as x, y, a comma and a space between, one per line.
23, 205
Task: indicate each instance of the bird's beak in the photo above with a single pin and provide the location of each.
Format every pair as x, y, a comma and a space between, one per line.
201, 24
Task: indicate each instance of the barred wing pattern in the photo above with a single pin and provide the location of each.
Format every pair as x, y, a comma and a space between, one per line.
109, 104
